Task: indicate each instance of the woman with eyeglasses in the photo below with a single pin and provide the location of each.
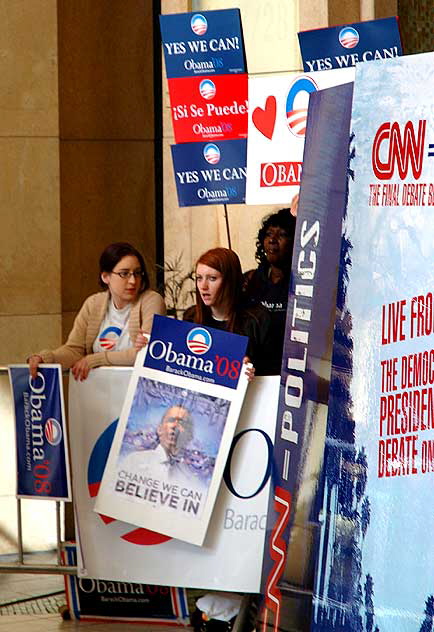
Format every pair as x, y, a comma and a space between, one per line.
108, 322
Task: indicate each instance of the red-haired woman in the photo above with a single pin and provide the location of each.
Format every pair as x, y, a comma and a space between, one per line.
219, 304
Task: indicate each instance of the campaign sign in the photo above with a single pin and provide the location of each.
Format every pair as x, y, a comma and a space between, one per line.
375, 548
306, 362
40, 431
204, 43
210, 173
194, 351
209, 108
277, 130
117, 550
92, 599
183, 402
344, 46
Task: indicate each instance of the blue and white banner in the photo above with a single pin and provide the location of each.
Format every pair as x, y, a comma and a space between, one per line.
375, 568
117, 550
202, 353
92, 599
205, 43
40, 431
184, 400
210, 173
306, 362
344, 46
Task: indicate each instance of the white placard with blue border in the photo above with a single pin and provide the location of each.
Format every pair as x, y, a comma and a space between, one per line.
210, 173
204, 43
344, 46
183, 401
40, 432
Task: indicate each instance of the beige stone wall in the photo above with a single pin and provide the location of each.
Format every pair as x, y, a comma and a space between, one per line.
106, 110
30, 296
29, 179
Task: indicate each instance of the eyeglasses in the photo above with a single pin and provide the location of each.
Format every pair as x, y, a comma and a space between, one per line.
125, 274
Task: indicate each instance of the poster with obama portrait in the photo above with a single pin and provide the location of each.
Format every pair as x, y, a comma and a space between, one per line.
170, 448
375, 550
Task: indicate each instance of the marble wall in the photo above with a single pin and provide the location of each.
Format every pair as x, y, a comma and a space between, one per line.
30, 281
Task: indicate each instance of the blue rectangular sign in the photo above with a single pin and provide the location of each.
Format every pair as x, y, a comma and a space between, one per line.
204, 43
344, 46
42, 461
210, 173
195, 351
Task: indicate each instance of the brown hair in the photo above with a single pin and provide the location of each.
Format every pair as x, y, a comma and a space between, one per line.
111, 256
228, 264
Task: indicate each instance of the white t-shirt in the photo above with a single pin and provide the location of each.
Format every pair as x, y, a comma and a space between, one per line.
113, 334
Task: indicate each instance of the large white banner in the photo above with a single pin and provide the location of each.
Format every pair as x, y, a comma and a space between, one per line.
231, 556
277, 127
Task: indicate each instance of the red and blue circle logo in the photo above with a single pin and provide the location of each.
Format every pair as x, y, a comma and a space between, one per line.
349, 37
95, 470
296, 105
199, 24
211, 153
53, 431
199, 340
109, 337
207, 89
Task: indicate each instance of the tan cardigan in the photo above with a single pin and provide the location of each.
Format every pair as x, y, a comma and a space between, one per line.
88, 322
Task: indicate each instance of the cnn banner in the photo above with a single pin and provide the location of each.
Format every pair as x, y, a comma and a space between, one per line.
375, 548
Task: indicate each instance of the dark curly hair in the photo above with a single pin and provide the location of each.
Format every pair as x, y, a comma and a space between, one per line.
281, 219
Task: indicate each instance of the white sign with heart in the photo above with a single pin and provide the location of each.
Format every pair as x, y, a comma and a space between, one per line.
277, 127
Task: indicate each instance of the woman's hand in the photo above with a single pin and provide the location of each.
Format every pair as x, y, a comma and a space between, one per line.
80, 370
294, 205
141, 341
34, 362
250, 371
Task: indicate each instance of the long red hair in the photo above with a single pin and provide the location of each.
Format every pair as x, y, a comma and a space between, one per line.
228, 264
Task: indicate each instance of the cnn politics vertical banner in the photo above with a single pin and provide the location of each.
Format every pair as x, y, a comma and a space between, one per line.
306, 363
40, 433
375, 557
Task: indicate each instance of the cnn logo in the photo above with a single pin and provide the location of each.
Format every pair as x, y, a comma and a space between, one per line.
400, 148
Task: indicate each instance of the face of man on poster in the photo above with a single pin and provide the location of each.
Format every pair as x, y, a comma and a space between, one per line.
175, 430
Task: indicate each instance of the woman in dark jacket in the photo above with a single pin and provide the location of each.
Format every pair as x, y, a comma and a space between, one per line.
268, 284
219, 305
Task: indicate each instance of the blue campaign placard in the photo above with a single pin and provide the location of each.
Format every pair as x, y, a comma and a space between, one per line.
344, 46
210, 173
42, 462
194, 351
205, 43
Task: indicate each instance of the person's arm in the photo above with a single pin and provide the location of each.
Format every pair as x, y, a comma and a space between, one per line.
73, 349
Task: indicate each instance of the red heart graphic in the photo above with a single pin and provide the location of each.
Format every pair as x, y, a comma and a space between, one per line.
264, 119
